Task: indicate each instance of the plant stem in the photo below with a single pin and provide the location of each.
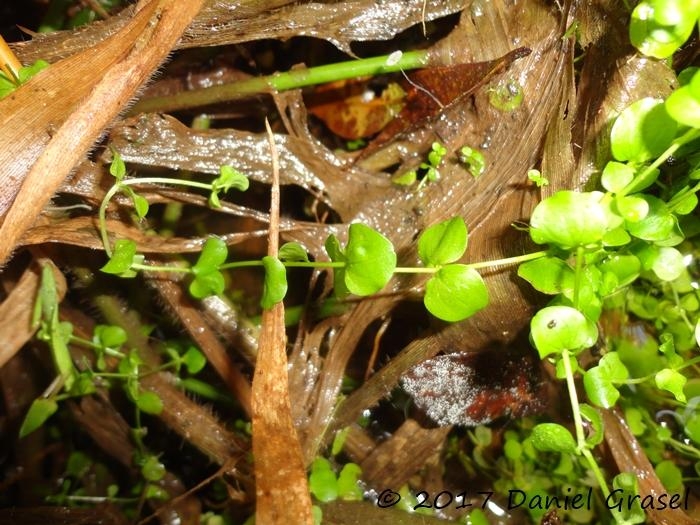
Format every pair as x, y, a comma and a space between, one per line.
509, 260
103, 219
293, 79
131, 182
573, 398
593, 464
577, 275
689, 136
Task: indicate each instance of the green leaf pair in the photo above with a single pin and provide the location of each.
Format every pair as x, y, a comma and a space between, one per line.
208, 280
369, 259
123, 257
326, 486
455, 291
228, 178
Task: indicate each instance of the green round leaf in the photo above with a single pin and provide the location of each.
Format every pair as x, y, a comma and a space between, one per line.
39, 412
616, 175
110, 335
670, 475
473, 159
635, 420
443, 243
149, 402
455, 292
140, 205
550, 437
686, 205
322, 481
569, 219
348, 487
152, 469
207, 284
632, 208
659, 27
672, 381
117, 168
643, 131
123, 256
657, 225
684, 104
625, 267
600, 388
194, 360
558, 328
549, 275
275, 286
213, 255
668, 264
293, 251
371, 260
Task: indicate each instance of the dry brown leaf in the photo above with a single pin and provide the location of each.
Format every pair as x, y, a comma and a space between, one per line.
83, 231
629, 456
222, 23
160, 140
396, 459
281, 488
43, 144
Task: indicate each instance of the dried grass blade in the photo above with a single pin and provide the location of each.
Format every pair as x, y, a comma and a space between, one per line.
280, 477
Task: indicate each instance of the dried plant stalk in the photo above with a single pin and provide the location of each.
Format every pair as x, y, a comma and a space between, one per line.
281, 487
36, 165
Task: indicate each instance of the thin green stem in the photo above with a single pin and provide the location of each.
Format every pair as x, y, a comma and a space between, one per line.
102, 214
293, 79
597, 472
155, 268
578, 424
508, 260
578, 275
689, 136
166, 180
418, 269
573, 398
132, 182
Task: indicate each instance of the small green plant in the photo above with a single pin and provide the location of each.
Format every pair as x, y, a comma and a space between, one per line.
8, 83
362, 267
428, 171
473, 159
603, 243
107, 343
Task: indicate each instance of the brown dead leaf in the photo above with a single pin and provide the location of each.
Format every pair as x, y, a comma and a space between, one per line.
627, 453
281, 488
40, 145
352, 111
223, 23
